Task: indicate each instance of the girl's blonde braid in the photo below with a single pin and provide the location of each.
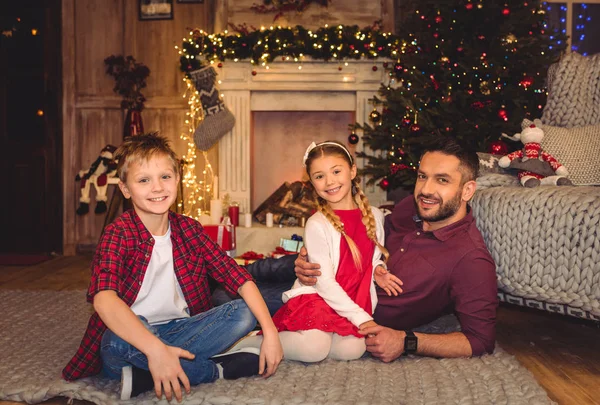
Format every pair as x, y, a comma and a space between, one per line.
367, 217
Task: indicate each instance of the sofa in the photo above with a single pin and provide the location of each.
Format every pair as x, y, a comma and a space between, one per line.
546, 240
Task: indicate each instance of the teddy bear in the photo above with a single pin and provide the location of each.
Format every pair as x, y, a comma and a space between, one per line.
535, 165
101, 173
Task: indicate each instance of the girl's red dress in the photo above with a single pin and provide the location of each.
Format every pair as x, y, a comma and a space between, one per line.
310, 311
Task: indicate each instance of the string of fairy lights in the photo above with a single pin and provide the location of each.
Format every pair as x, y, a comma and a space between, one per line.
197, 191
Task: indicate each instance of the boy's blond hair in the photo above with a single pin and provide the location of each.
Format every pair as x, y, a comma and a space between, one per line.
138, 148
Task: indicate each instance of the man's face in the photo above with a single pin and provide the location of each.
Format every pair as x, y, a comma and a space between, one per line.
439, 193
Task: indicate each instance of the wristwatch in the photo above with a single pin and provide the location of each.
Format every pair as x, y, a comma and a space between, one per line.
410, 343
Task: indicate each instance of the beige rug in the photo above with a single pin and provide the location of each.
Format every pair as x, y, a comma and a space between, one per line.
40, 330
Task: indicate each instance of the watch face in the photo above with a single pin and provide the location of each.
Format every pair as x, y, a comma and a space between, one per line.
410, 344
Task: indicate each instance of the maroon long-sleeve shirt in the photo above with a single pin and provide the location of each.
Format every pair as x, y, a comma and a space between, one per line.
444, 271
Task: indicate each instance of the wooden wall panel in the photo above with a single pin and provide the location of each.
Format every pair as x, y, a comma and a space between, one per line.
98, 34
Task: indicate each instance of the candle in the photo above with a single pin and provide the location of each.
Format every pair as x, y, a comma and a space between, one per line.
248, 220
269, 220
234, 215
216, 211
216, 188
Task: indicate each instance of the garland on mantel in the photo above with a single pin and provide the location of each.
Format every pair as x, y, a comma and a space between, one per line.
264, 45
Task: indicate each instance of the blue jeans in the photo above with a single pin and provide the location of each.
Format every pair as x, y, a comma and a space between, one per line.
204, 335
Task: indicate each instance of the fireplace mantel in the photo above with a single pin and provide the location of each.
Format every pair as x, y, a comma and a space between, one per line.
289, 86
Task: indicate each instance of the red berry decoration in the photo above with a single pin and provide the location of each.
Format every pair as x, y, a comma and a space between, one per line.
384, 184
353, 139
506, 11
469, 6
498, 148
438, 19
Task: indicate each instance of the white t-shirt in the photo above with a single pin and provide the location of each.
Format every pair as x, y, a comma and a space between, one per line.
160, 299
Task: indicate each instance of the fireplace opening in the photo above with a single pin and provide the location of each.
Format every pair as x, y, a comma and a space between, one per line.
279, 140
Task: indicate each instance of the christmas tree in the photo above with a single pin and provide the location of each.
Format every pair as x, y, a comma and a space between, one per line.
470, 69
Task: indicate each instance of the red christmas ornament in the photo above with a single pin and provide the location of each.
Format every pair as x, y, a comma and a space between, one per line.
502, 114
374, 68
460, 49
498, 148
406, 122
435, 35
469, 6
384, 184
397, 67
526, 81
254, 73
340, 68
220, 64
506, 11
438, 19
353, 139
415, 128
385, 64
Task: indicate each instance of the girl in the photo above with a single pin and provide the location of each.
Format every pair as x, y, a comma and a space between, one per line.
346, 238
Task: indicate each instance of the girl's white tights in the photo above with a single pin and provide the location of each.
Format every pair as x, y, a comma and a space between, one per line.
312, 345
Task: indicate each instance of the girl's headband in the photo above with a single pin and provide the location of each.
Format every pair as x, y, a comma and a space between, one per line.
314, 145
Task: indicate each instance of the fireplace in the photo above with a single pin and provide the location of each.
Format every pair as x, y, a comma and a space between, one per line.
318, 88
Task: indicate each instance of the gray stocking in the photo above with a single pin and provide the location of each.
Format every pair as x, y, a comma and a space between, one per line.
218, 120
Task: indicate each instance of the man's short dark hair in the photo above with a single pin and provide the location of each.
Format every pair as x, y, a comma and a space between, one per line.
469, 161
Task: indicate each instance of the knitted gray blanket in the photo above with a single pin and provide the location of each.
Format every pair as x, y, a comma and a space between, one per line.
573, 92
40, 331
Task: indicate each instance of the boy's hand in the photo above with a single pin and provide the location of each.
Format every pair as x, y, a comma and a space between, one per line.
271, 354
167, 373
387, 281
306, 272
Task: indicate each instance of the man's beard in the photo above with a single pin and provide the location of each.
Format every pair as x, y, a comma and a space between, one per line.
445, 210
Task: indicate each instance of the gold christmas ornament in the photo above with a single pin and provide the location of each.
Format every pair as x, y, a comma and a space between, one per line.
484, 87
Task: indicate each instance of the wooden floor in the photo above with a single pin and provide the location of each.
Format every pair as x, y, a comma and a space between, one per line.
562, 353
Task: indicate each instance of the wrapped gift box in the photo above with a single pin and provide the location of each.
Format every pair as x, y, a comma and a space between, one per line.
223, 235
291, 245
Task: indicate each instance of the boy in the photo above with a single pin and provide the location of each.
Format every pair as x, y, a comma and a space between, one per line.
154, 326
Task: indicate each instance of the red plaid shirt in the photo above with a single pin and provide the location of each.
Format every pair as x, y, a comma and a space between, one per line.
121, 260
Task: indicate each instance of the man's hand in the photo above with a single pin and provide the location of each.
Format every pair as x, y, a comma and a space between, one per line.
387, 281
306, 272
384, 343
167, 373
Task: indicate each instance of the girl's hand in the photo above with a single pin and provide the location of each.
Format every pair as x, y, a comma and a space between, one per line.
271, 354
387, 281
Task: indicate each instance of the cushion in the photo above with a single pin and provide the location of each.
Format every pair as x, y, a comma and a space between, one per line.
578, 149
488, 163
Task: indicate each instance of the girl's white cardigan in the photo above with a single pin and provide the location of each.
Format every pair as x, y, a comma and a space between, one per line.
323, 244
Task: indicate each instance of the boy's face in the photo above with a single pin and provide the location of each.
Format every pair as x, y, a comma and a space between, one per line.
152, 186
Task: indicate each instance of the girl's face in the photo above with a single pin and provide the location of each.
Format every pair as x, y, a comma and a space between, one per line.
332, 178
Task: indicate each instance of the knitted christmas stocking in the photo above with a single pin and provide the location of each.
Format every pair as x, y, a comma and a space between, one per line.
218, 120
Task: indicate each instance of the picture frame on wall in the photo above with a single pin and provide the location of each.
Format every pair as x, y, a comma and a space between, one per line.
190, 1
155, 10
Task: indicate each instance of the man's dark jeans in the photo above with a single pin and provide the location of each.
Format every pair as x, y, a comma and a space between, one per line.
272, 276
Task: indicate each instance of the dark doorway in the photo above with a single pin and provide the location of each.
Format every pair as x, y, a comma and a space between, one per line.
30, 126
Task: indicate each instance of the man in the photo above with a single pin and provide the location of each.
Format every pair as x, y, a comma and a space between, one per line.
440, 256
438, 253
